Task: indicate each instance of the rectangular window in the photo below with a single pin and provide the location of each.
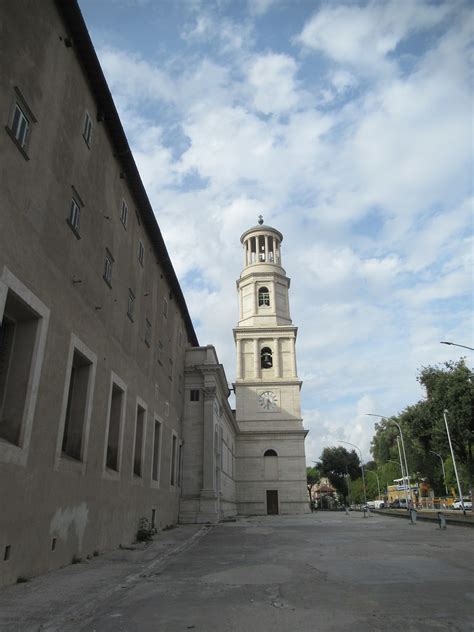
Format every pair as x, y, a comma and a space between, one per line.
115, 420
141, 251
124, 214
131, 304
74, 216
147, 332
20, 126
87, 130
173, 461
18, 333
155, 468
108, 264
165, 308
73, 435
194, 395
139, 435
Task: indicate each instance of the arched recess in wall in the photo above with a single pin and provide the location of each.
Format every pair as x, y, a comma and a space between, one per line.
263, 297
270, 452
266, 360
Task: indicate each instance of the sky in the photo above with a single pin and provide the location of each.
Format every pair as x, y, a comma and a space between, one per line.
348, 126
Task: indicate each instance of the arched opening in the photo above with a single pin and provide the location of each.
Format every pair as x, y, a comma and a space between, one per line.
263, 297
266, 360
270, 452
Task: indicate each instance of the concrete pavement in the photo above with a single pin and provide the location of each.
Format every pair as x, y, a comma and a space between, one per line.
319, 572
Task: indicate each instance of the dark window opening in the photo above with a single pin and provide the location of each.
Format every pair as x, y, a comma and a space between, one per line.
155, 468
173, 461
139, 430
18, 331
266, 360
76, 406
270, 453
194, 395
113, 437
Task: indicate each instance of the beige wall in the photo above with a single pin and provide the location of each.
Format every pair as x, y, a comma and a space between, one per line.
45, 494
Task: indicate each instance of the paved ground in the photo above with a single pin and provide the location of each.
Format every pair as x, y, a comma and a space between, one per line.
321, 572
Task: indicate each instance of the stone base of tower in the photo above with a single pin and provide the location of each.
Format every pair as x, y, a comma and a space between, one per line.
271, 473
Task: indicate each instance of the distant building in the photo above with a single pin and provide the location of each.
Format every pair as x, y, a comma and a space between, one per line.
110, 411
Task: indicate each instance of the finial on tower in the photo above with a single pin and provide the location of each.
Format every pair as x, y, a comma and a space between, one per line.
260, 219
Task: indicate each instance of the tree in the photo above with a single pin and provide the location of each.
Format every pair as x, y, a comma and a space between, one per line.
449, 386
337, 463
312, 477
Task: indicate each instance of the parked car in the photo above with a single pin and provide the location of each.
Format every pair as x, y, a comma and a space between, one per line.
399, 503
458, 504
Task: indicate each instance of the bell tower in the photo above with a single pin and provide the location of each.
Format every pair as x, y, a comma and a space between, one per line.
271, 468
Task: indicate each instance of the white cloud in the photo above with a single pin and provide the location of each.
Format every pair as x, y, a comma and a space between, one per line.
363, 36
272, 77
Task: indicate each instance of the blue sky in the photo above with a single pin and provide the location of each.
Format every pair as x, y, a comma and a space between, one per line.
348, 126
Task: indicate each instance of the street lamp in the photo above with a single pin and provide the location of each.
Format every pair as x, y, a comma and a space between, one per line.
403, 473
403, 444
444, 472
378, 481
361, 465
453, 344
454, 462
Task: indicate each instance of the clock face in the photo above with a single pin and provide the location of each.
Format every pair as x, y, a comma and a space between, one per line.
267, 400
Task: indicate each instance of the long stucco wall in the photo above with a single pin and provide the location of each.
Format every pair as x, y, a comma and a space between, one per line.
54, 506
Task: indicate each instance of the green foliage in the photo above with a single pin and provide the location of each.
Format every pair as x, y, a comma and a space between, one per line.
338, 464
145, 531
450, 387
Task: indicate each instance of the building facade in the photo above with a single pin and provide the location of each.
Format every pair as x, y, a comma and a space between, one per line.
110, 411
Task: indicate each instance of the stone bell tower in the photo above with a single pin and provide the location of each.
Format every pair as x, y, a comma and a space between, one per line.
270, 465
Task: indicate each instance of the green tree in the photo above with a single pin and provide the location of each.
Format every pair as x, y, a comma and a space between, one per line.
449, 386
337, 464
312, 477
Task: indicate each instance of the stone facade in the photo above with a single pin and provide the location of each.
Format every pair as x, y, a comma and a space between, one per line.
110, 411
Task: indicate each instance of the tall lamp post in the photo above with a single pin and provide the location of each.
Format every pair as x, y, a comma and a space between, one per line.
403, 473
361, 465
444, 471
454, 461
403, 443
378, 481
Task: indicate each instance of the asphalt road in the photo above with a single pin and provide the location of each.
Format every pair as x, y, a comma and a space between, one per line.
321, 572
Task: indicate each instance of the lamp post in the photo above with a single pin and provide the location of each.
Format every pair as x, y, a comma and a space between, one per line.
444, 472
378, 481
361, 466
403, 445
454, 344
454, 461
403, 473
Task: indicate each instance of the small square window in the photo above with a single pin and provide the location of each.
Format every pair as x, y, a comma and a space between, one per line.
194, 395
147, 332
131, 304
108, 265
124, 214
141, 251
87, 130
74, 216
